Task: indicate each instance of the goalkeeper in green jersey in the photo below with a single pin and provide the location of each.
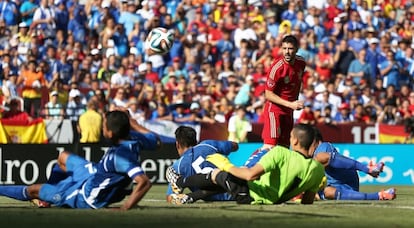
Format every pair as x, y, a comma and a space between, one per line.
278, 176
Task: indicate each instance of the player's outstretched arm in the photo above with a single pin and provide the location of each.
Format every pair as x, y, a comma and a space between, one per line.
244, 173
143, 185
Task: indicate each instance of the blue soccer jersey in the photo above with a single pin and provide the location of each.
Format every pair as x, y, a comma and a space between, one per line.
98, 185
339, 178
193, 161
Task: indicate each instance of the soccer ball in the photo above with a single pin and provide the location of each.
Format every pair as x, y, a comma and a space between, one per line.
159, 41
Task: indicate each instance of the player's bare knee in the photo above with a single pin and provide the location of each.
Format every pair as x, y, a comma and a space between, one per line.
61, 161
329, 192
33, 191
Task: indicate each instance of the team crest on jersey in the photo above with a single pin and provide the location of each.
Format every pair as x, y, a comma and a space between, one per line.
57, 198
270, 83
286, 79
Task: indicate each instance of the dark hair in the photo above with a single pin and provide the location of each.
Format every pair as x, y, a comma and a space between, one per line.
186, 136
118, 123
305, 133
291, 39
318, 135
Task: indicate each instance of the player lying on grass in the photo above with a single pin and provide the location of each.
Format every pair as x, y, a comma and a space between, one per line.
78, 183
193, 161
277, 177
342, 176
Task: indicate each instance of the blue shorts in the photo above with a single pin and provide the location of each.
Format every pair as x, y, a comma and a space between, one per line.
68, 192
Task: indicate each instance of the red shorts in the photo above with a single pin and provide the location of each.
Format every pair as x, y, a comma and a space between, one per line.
277, 128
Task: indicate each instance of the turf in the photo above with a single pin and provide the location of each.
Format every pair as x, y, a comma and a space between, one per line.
155, 212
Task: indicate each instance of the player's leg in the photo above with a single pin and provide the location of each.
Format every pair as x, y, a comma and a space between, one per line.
339, 161
285, 126
20, 192
346, 193
270, 131
59, 170
238, 188
179, 183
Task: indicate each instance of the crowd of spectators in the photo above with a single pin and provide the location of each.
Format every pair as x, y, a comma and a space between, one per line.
59, 54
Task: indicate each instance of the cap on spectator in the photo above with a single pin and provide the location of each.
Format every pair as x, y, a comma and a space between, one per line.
220, 3
370, 29
176, 59
249, 77
106, 4
307, 104
344, 106
54, 93
285, 26
23, 25
270, 13
133, 50
373, 40
376, 8
94, 51
130, 2
74, 93
194, 106
337, 19
142, 67
143, 3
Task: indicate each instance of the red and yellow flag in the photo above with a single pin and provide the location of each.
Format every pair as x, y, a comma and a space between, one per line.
392, 133
18, 132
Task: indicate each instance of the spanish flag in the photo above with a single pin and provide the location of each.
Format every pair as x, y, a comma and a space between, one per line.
392, 133
23, 132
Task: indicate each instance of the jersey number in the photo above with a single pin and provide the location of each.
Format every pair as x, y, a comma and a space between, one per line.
197, 166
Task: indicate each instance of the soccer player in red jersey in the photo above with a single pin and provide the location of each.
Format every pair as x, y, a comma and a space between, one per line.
284, 81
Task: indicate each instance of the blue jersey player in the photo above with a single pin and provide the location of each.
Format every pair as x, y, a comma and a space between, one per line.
342, 176
192, 161
78, 183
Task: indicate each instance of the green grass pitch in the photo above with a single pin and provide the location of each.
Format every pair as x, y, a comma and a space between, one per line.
155, 212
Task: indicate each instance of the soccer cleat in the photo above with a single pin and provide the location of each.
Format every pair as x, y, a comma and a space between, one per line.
388, 194
40, 204
179, 199
375, 169
172, 178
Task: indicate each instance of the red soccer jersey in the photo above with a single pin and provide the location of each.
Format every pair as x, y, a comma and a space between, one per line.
285, 81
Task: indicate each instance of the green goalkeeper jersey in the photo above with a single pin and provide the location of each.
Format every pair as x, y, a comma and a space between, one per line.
287, 174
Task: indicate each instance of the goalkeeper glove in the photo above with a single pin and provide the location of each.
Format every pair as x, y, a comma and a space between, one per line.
323, 183
220, 161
